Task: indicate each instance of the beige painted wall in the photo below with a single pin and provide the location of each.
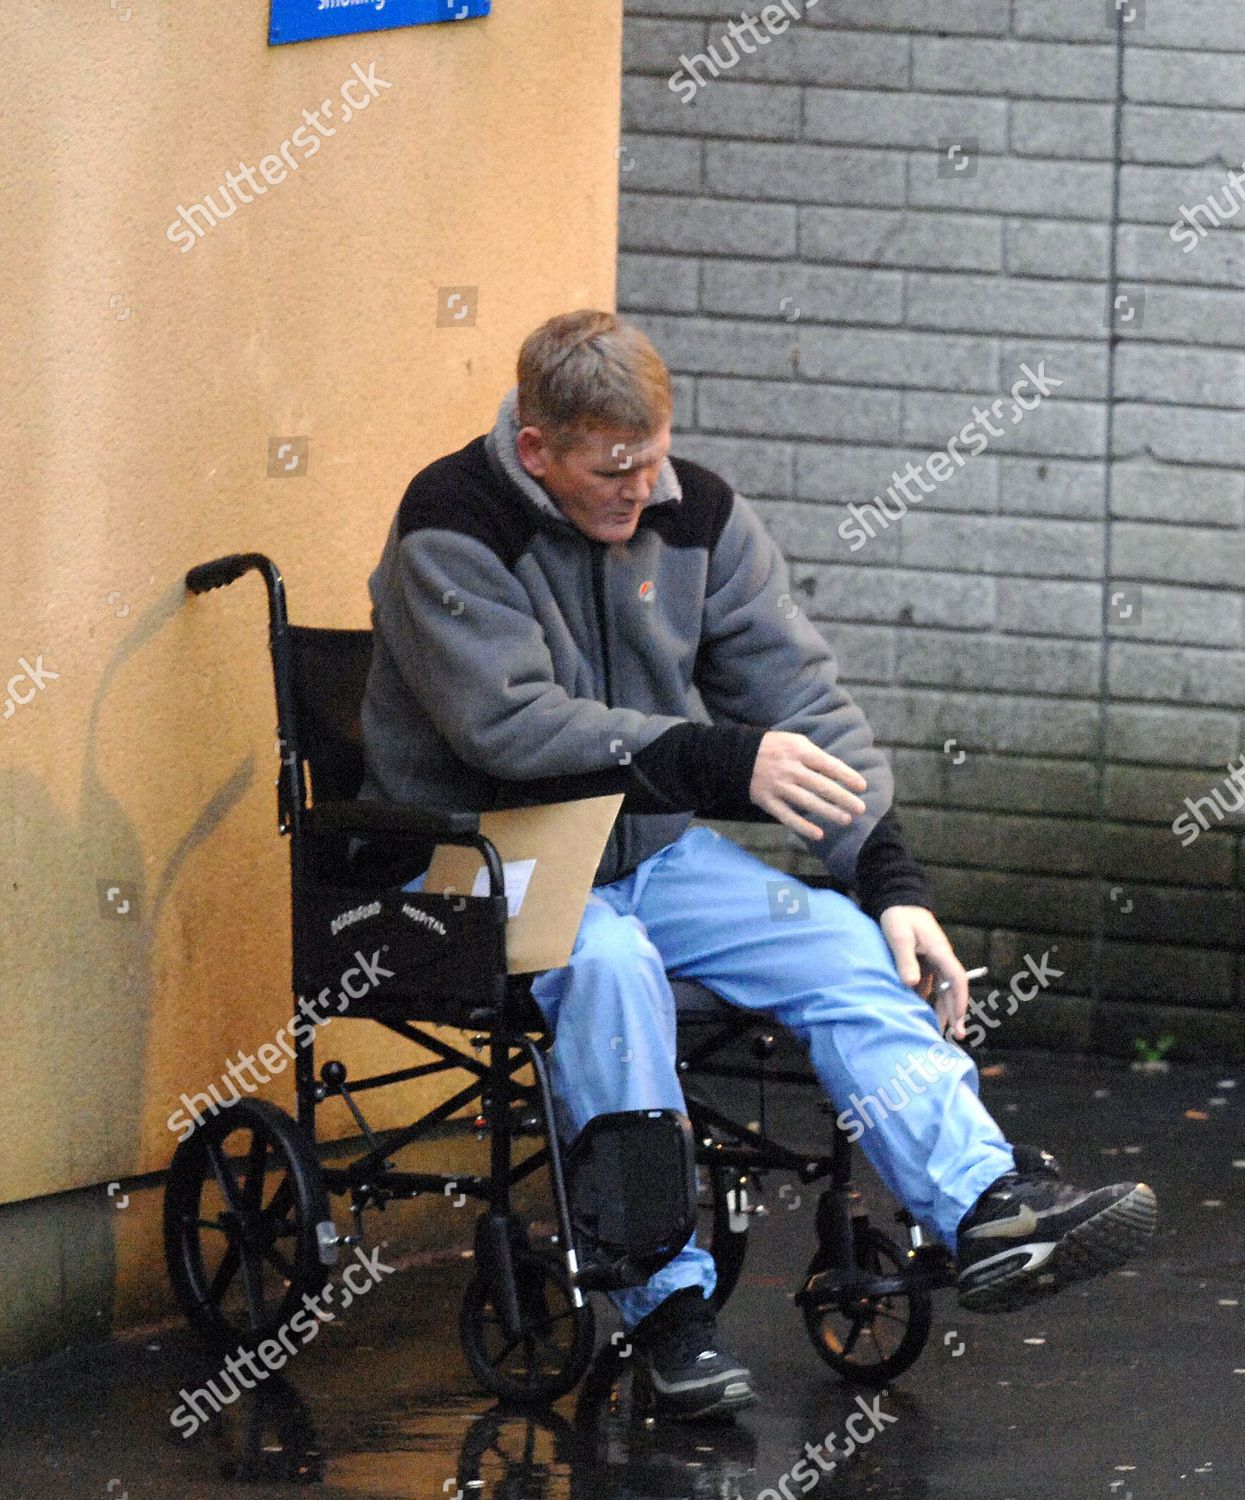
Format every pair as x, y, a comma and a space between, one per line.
144, 384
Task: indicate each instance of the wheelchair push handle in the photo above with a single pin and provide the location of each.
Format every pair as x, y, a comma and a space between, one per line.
225, 570
222, 570
291, 789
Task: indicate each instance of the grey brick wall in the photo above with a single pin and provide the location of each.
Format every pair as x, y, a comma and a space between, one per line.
862, 227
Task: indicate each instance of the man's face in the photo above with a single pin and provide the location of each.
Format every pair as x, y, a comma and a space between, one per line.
602, 483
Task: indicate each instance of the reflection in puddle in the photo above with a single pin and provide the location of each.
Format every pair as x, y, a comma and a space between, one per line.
605, 1450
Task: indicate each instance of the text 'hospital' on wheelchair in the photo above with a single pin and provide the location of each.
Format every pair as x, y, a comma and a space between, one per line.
247, 1225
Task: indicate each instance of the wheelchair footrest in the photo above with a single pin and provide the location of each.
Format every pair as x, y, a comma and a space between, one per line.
829, 1288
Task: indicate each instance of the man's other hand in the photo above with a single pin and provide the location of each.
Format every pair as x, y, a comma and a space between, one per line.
924, 957
792, 776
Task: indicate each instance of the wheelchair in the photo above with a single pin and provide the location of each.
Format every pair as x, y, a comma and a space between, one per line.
249, 1236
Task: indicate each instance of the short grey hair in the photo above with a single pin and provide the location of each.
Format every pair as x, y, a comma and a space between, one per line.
586, 370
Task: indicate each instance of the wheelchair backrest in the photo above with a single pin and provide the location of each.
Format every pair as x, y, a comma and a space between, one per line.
329, 670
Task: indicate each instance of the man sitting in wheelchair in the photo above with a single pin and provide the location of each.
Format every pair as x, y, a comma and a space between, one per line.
561, 609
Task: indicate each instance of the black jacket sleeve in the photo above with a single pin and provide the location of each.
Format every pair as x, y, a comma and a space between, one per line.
704, 769
886, 872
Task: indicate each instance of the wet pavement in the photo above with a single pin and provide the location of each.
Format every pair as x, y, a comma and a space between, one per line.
1128, 1388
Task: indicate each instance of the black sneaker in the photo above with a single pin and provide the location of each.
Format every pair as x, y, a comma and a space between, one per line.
1030, 1234
690, 1374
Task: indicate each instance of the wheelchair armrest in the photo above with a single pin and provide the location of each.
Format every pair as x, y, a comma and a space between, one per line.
384, 825
375, 817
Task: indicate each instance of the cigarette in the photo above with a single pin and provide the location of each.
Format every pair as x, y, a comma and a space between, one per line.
972, 974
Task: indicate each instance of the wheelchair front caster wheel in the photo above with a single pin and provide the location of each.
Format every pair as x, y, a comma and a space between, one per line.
244, 1197
866, 1336
553, 1346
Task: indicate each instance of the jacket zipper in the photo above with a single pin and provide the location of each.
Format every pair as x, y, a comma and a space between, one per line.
598, 602
615, 851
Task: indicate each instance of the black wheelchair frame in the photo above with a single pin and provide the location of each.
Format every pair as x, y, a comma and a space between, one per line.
249, 1236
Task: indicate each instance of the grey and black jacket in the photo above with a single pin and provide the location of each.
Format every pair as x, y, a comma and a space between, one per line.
516, 660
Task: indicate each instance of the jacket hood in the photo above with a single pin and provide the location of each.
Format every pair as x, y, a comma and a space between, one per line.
501, 446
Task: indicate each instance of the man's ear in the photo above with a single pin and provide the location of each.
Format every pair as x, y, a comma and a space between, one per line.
533, 453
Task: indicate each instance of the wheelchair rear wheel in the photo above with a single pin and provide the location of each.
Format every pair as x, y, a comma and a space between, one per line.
553, 1346
867, 1337
244, 1198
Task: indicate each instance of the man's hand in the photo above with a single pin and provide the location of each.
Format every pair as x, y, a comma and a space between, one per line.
792, 775
924, 957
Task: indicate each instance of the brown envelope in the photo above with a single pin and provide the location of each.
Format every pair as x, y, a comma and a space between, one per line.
565, 840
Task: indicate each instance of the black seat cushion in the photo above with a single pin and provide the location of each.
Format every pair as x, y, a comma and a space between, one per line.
696, 1002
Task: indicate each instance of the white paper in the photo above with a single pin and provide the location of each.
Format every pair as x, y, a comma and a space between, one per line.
517, 874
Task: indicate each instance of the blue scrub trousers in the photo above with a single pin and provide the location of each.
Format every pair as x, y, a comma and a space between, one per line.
702, 908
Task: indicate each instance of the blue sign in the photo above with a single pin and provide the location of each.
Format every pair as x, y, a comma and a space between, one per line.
302, 20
